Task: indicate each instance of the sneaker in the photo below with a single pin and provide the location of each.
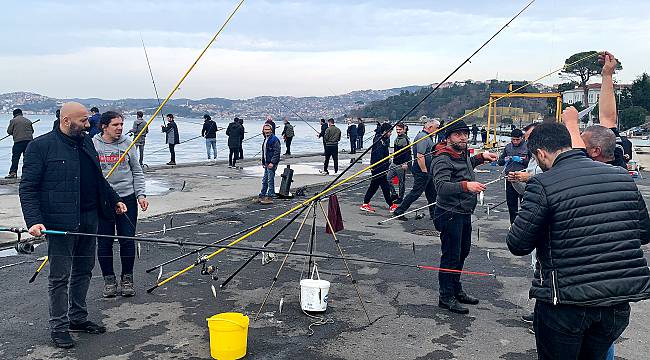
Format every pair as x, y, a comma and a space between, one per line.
531, 330
393, 208
171, 163
367, 207
12, 175
229, 166
88, 327
257, 200
324, 172
110, 286
62, 339
453, 305
266, 200
528, 318
127, 285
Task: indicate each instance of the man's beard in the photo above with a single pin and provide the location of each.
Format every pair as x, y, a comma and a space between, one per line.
459, 146
77, 131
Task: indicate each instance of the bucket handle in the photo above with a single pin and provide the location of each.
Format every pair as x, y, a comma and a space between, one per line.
315, 270
230, 321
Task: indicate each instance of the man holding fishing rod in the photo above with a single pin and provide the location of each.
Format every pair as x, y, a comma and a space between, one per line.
20, 128
456, 188
63, 188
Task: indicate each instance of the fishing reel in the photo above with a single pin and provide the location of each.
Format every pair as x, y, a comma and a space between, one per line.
208, 270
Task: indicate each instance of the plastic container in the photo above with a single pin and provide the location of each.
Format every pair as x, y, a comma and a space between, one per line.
228, 335
314, 293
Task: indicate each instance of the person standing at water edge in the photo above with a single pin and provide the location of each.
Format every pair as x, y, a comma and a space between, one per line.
94, 122
241, 138
287, 134
422, 181
323, 128
456, 188
474, 133
331, 138
515, 158
209, 132
128, 181
401, 162
171, 138
483, 135
235, 132
379, 152
352, 135
587, 222
361, 130
22, 131
271, 150
138, 125
269, 120
62, 188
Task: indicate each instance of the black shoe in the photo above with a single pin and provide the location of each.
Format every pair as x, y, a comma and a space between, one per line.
453, 305
87, 327
463, 298
62, 339
528, 318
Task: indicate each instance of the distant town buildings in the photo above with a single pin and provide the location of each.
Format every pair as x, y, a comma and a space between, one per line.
577, 95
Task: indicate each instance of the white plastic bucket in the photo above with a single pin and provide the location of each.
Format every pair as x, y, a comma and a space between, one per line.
314, 293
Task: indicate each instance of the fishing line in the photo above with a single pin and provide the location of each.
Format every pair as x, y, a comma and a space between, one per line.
155, 89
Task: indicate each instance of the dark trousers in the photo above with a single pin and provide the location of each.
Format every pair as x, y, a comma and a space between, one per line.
422, 183
241, 151
375, 184
233, 156
287, 142
333, 152
456, 241
140, 148
512, 199
172, 152
360, 142
16, 151
72, 259
577, 332
125, 225
353, 144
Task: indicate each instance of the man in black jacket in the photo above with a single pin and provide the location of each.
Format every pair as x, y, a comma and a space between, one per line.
379, 152
456, 189
62, 188
587, 221
209, 132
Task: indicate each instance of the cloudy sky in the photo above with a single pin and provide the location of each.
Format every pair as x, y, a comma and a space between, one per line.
93, 49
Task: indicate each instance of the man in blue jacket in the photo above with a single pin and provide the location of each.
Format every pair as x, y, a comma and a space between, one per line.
62, 188
94, 122
271, 150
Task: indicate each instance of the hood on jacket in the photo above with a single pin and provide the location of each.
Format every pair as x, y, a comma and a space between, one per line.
443, 148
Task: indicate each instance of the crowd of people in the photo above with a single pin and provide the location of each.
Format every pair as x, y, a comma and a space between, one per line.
572, 206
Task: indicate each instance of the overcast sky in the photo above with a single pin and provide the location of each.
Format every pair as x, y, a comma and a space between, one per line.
93, 49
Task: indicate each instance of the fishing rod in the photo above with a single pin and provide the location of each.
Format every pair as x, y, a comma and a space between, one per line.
429, 205
298, 115
155, 89
175, 88
34, 122
182, 142
257, 249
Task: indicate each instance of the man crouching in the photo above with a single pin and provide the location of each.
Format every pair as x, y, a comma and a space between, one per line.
456, 188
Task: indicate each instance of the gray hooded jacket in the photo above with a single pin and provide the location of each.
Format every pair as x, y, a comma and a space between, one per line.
128, 178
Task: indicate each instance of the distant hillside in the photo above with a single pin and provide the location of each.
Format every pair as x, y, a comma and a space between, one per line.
448, 102
259, 107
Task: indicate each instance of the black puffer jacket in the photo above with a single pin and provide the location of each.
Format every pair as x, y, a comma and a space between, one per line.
49, 188
588, 222
380, 152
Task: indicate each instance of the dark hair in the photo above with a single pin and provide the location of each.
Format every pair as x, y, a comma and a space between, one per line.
322, 121
550, 137
529, 126
106, 118
170, 116
94, 109
17, 112
207, 117
330, 120
516, 133
139, 114
401, 125
58, 114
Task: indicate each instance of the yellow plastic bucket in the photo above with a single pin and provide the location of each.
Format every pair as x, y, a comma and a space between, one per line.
228, 335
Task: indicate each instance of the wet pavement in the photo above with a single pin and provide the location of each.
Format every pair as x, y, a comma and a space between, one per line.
401, 302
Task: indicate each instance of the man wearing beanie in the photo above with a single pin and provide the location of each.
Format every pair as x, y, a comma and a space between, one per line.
515, 158
456, 188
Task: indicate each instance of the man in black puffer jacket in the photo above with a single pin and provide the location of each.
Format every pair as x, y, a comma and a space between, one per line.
380, 151
587, 221
62, 188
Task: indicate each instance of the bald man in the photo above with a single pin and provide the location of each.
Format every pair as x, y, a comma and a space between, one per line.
62, 188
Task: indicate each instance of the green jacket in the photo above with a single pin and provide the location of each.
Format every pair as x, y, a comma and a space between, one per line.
332, 135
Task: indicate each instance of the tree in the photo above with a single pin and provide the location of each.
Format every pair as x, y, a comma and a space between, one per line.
584, 70
632, 116
640, 92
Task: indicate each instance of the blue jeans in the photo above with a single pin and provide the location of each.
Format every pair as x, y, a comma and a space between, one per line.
268, 182
211, 144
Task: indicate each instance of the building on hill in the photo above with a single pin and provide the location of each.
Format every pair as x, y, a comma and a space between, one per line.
516, 114
577, 95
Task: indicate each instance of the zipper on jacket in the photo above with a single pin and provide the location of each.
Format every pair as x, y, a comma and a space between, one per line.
554, 286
